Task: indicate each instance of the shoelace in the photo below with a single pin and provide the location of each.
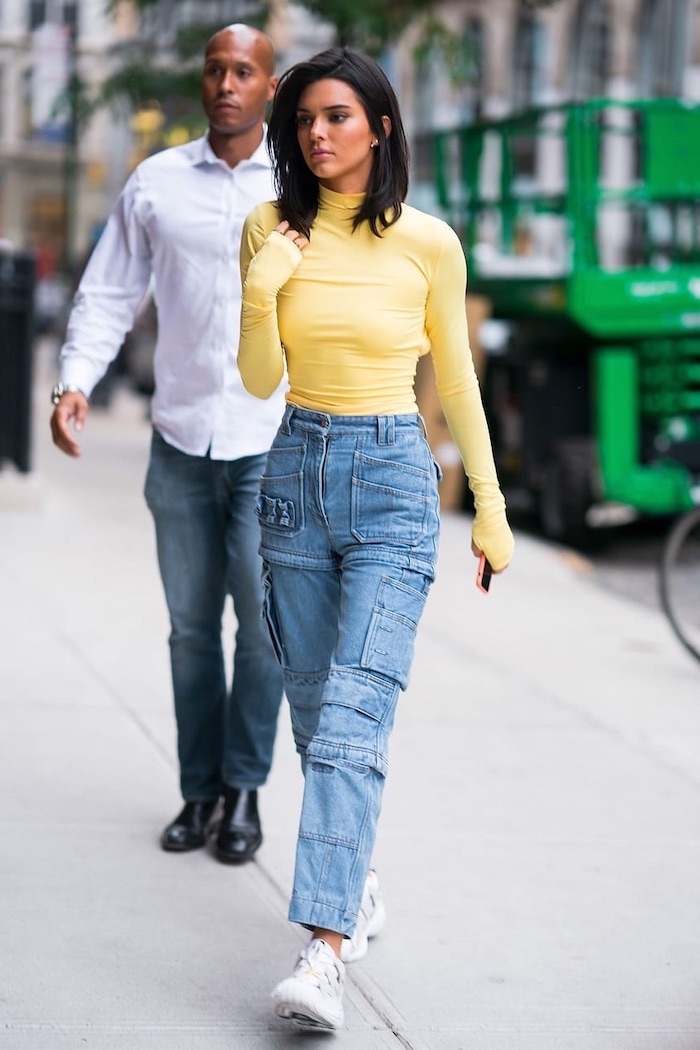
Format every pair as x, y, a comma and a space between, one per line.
305, 968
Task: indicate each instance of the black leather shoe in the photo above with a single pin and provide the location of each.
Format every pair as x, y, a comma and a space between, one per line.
239, 834
189, 829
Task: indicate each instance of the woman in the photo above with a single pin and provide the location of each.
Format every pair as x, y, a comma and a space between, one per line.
348, 286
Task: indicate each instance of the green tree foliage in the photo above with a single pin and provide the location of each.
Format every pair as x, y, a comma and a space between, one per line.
173, 76
369, 24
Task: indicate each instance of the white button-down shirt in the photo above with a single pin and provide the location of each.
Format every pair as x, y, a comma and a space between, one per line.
179, 220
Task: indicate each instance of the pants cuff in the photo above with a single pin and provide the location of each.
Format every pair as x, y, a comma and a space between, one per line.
310, 914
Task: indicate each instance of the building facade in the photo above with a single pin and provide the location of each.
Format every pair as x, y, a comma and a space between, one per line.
519, 55
54, 175
59, 177
57, 182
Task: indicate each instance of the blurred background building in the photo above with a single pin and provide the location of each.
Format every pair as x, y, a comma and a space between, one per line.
63, 159
56, 177
519, 54
89, 88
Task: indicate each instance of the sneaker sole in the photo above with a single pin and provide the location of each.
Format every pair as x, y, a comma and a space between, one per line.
292, 1012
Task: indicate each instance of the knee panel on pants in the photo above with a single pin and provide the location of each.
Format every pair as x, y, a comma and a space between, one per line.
355, 721
392, 630
304, 693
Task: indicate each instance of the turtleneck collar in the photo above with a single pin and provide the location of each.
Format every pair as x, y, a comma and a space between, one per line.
339, 201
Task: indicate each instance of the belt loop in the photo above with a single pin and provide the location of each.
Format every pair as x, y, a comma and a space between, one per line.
286, 420
385, 430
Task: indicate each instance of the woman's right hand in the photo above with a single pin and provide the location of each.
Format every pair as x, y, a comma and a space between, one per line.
293, 235
273, 265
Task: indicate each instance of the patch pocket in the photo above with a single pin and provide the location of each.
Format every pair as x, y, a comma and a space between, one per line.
390, 501
392, 631
280, 503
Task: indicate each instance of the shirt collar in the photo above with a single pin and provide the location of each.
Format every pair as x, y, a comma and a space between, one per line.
202, 153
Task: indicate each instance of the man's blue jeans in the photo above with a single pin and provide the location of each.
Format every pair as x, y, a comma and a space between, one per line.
349, 516
208, 539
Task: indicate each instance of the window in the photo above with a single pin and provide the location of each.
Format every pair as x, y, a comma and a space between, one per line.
26, 104
70, 15
663, 33
448, 92
58, 12
162, 20
474, 88
37, 14
529, 79
590, 50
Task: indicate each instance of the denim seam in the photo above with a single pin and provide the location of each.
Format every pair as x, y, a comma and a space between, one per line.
328, 840
295, 557
360, 672
354, 748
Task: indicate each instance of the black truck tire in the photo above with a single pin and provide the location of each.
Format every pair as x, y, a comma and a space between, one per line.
568, 492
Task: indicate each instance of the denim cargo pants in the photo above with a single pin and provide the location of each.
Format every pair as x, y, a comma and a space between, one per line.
348, 510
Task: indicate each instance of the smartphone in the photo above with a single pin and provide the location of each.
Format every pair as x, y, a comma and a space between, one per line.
483, 574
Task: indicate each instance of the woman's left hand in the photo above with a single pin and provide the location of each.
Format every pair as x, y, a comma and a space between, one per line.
477, 554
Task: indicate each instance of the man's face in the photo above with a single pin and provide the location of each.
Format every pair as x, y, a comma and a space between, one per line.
237, 81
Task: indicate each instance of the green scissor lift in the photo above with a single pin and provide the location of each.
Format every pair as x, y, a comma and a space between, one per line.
581, 225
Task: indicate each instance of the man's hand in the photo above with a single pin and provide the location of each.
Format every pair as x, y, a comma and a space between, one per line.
72, 408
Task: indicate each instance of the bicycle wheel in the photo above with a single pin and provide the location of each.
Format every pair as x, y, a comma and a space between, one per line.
679, 580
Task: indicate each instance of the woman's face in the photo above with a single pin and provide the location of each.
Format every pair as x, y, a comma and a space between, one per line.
334, 136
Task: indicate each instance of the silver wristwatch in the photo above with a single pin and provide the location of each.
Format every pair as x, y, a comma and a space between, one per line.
63, 388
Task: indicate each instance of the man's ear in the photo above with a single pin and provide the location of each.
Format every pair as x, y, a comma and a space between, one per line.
387, 126
271, 88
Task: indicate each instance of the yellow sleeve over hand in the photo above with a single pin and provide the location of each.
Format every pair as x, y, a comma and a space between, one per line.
460, 398
267, 263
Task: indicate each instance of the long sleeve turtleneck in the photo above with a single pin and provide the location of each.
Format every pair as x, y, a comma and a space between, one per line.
352, 314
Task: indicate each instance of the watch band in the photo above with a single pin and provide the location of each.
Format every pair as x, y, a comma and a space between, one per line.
64, 388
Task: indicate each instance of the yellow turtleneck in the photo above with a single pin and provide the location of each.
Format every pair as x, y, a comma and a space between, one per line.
352, 314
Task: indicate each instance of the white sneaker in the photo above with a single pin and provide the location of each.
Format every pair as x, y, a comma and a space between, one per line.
313, 997
370, 920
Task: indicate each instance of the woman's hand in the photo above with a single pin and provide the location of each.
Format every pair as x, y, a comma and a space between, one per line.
293, 235
477, 554
272, 266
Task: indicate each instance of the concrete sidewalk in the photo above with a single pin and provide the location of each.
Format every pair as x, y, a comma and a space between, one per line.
539, 847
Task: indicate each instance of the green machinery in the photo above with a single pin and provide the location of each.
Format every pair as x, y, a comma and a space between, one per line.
581, 226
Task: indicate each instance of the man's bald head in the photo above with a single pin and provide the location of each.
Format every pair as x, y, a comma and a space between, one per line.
246, 37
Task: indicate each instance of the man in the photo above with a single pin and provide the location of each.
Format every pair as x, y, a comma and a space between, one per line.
178, 221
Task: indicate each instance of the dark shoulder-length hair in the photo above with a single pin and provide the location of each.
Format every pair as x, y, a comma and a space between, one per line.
296, 186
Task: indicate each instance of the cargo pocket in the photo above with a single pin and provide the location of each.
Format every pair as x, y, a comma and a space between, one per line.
392, 632
280, 503
390, 501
